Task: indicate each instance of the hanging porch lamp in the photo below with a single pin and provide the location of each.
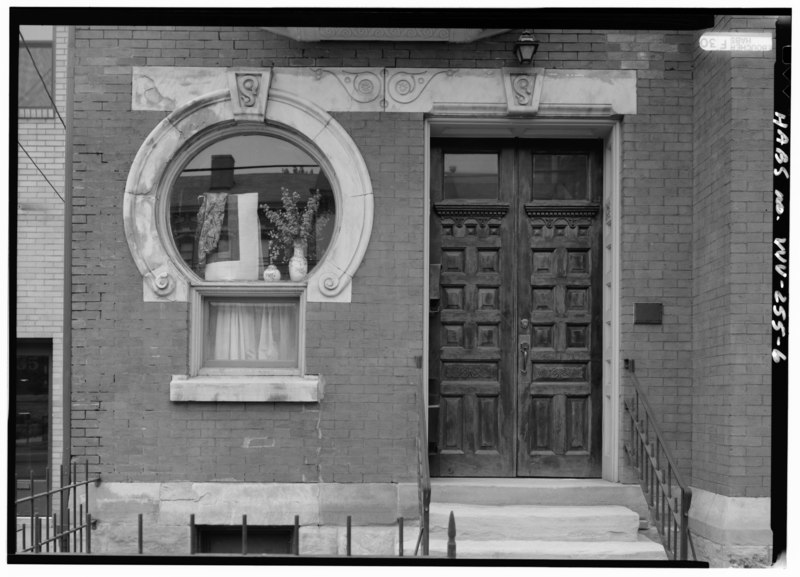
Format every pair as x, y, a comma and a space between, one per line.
526, 47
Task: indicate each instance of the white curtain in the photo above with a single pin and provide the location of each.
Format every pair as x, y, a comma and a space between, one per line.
252, 332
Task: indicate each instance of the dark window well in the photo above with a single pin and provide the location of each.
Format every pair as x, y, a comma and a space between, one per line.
31, 414
274, 539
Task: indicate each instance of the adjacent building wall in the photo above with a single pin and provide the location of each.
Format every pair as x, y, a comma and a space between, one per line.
731, 429
40, 234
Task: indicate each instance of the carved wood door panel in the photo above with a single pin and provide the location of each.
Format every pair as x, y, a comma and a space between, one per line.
471, 337
516, 308
560, 310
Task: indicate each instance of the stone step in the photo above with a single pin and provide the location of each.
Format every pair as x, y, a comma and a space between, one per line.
535, 522
642, 549
510, 491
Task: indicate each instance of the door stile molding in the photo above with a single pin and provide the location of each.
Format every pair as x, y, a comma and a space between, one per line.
426, 263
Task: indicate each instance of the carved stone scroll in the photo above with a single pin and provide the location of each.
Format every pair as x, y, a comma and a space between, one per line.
363, 86
523, 89
249, 90
404, 87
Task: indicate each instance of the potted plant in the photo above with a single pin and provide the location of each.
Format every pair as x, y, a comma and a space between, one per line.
292, 228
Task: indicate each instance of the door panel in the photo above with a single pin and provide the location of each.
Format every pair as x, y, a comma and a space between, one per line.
515, 333
558, 292
471, 340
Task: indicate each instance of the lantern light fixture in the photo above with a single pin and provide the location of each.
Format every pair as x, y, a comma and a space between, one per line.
526, 47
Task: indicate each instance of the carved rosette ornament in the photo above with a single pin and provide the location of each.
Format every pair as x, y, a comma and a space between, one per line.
572, 215
362, 86
406, 86
474, 218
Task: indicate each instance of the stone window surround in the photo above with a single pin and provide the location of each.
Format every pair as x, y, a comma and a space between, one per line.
246, 105
166, 277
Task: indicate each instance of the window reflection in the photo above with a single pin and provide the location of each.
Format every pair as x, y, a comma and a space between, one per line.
560, 176
216, 206
470, 176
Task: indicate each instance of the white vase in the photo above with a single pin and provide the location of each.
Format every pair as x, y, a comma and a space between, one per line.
298, 265
272, 274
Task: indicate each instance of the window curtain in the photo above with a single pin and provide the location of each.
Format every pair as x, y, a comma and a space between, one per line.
252, 332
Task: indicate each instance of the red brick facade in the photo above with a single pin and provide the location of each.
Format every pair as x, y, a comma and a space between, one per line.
695, 232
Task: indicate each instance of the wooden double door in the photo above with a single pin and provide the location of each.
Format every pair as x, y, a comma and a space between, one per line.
515, 326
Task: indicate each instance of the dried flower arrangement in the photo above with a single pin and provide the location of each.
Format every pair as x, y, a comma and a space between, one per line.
291, 225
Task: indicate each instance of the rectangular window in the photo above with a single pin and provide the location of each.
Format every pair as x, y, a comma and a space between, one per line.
560, 177
238, 330
35, 67
470, 176
246, 346
253, 332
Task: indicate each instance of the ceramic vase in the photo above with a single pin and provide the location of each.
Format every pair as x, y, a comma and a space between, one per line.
272, 274
298, 265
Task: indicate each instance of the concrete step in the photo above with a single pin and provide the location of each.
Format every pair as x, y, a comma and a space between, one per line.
642, 549
535, 522
505, 491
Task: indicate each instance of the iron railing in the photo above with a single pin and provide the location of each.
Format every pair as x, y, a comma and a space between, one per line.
424, 480
668, 496
68, 532
194, 549
71, 532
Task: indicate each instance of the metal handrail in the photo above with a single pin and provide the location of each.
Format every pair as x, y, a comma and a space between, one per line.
658, 475
424, 479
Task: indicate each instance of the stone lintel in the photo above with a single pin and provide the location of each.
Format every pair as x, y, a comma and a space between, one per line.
366, 34
511, 91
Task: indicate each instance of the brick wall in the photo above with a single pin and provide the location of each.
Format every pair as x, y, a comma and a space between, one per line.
656, 261
40, 232
125, 349
732, 236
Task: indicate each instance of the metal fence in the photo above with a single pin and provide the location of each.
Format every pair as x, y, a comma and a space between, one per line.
69, 529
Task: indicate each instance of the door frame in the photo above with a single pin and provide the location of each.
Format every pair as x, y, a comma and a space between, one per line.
609, 130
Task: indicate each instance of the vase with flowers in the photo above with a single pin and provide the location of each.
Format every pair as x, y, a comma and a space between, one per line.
271, 272
291, 229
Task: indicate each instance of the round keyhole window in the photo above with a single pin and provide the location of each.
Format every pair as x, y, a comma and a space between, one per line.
249, 203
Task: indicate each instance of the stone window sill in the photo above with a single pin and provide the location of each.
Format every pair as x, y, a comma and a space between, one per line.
247, 388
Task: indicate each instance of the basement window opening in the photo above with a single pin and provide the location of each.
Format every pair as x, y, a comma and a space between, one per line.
261, 539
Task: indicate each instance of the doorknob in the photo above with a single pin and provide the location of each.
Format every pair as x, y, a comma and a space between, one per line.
523, 324
523, 348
